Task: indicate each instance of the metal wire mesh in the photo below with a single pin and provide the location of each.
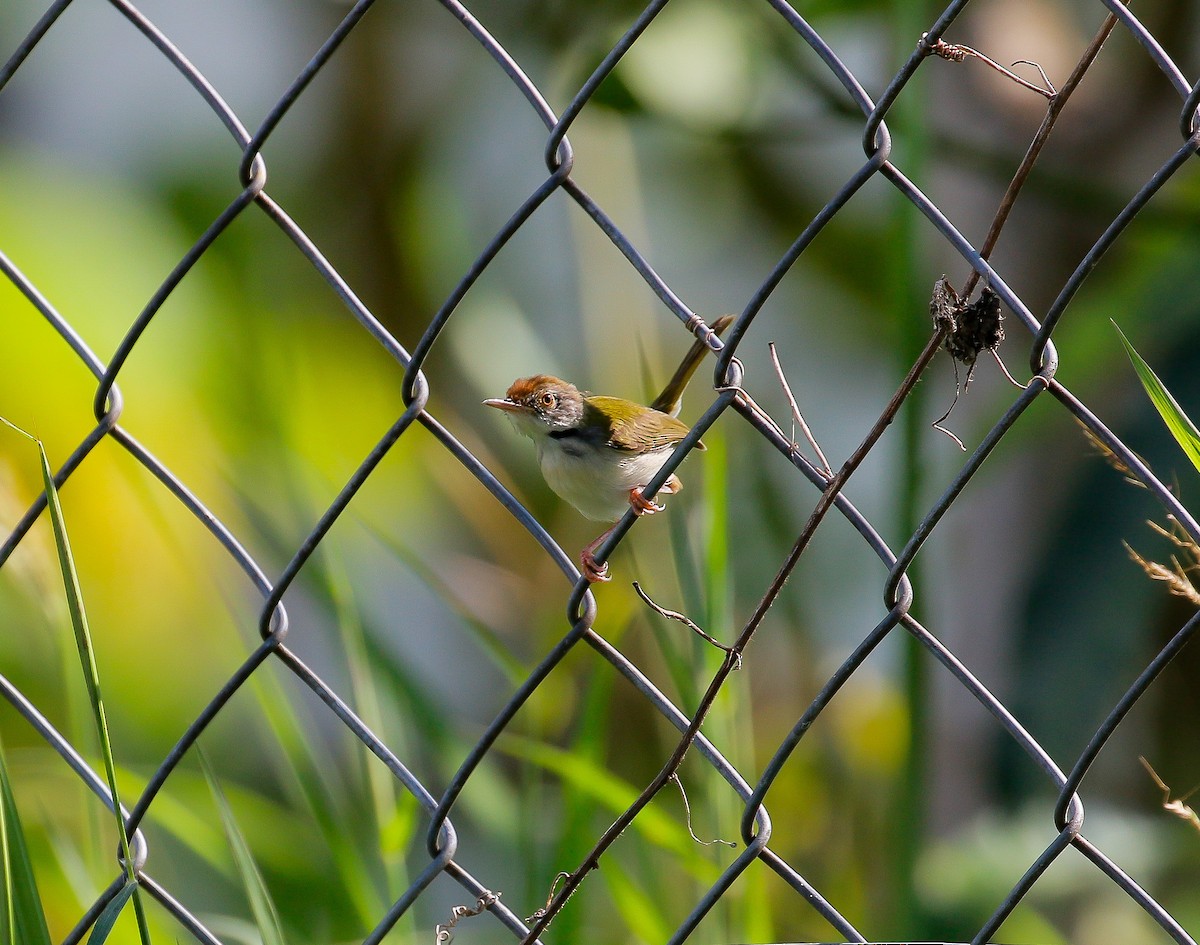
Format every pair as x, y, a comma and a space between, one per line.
730, 403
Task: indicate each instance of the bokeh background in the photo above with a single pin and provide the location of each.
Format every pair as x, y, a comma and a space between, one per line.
715, 141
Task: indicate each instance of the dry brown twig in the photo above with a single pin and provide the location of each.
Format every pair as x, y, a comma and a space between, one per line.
1177, 806
1056, 101
537, 916
687, 622
444, 932
956, 52
797, 416
687, 810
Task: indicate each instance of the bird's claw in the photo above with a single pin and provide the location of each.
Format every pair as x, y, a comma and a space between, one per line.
641, 505
595, 572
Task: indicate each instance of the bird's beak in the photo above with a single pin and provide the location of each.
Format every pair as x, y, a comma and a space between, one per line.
501, 404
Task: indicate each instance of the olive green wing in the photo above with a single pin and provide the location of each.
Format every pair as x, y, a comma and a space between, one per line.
639, 429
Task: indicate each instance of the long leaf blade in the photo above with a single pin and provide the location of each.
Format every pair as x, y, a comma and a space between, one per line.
108, 918
24, 920
262, 906
1178, 422
87, 659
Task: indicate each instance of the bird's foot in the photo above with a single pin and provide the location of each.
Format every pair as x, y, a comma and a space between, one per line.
595, 571
641, 505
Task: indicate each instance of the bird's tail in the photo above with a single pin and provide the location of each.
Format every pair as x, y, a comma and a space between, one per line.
672, 395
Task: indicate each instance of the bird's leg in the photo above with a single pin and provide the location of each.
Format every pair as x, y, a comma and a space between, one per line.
643, 506
594, 571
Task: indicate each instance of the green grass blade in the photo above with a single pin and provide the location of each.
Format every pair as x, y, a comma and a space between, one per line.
1178, 422
381, 867
24, 922
642, 913
87, 659
319, 792
614, 794
91, 673
7, 816
108, 918
262, 906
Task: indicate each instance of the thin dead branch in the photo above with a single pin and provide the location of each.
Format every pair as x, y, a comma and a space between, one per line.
797, 416
687, 810
1177, 806
687, 622
956, 52
444, 932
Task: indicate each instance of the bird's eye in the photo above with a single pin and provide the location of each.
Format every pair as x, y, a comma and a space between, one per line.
548, 399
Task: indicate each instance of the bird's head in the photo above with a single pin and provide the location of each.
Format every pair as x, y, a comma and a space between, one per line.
541, 405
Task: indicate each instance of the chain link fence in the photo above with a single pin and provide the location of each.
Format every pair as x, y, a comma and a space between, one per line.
968, 325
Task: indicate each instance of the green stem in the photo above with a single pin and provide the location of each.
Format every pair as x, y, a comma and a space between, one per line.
910, 306
87, 659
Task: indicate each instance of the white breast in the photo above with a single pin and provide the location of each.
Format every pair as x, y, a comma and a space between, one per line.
596, 480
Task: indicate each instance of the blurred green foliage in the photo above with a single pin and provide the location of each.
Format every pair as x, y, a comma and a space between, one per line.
711, 146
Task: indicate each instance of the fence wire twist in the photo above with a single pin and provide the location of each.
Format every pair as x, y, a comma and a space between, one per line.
730, 403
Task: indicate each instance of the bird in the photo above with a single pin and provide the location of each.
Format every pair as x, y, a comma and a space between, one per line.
598, 452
